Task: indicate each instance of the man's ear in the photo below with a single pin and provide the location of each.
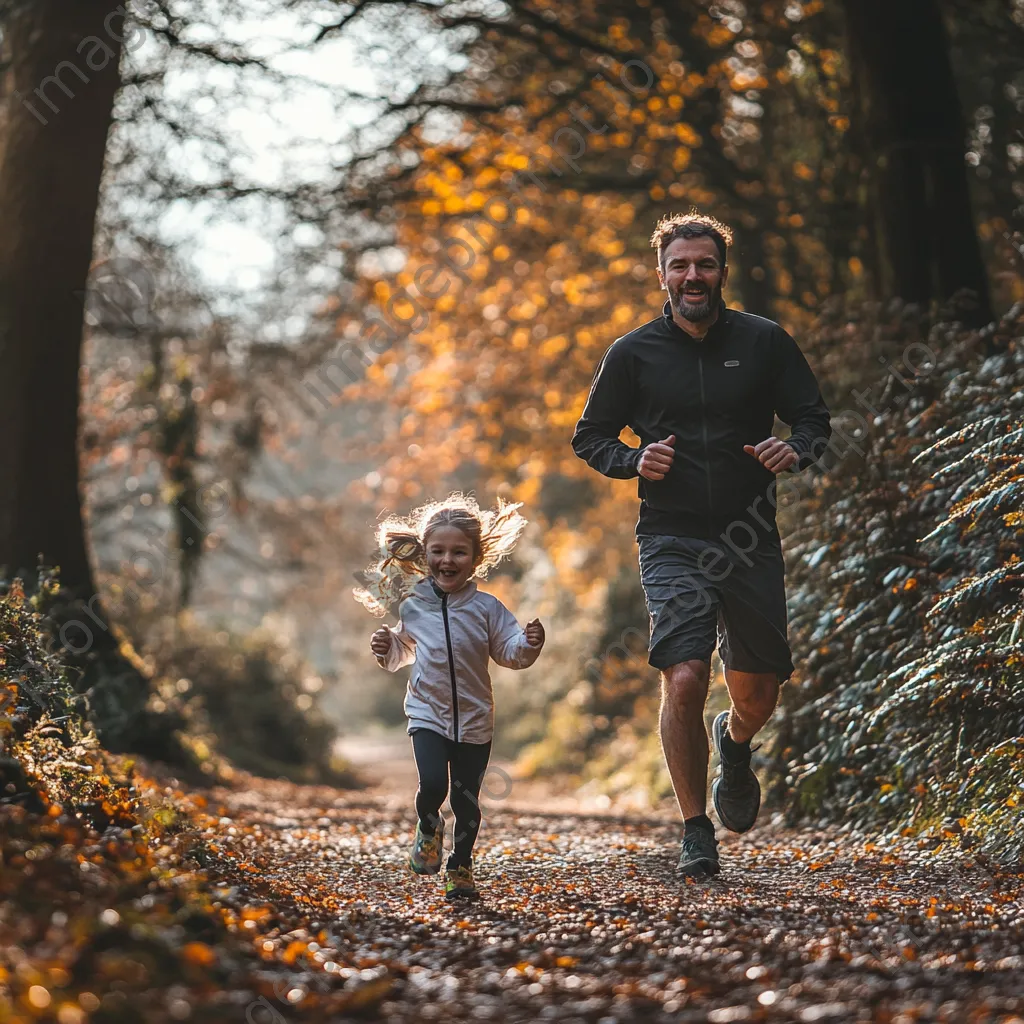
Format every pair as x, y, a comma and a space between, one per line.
661, 278
725, 275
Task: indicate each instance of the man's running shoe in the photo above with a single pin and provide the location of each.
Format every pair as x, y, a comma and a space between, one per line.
736, 793
425, 855
699, 858
458, 884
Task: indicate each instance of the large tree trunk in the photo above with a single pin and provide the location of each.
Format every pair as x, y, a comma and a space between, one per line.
57, 103
50, 168
914, 128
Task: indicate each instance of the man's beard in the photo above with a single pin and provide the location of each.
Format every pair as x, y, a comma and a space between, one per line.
700, 311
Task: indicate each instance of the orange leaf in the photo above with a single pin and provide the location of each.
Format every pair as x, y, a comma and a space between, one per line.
198, 953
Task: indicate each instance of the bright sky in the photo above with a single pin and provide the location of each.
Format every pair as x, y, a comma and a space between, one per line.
280, 137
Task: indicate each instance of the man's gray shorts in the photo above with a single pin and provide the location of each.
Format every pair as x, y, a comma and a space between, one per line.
702, 591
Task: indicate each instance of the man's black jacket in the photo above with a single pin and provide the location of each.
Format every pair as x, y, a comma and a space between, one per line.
715, 395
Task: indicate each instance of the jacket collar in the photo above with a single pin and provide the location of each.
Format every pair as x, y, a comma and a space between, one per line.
716, 328
425, 591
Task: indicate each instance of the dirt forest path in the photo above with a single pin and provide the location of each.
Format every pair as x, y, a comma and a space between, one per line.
583, 917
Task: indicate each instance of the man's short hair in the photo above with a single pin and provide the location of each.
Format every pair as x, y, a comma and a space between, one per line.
691, 225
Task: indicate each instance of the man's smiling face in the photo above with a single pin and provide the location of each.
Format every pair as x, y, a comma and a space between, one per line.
693, 275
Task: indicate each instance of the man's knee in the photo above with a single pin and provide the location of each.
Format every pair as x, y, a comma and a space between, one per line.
686, 685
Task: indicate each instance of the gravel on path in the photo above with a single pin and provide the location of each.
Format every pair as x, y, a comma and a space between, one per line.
582, 918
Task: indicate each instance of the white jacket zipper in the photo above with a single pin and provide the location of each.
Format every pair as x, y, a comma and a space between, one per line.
451, 667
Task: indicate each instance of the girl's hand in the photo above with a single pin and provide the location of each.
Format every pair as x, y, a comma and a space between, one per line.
534, 633
380, 642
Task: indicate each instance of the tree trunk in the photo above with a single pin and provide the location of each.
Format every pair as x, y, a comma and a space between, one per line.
914, 128
58, 98
60, 91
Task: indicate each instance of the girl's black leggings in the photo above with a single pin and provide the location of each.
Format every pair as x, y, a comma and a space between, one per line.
436, 758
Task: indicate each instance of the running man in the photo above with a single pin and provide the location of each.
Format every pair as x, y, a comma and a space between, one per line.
701, 386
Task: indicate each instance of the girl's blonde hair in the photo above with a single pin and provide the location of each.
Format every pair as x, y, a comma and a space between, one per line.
401, 540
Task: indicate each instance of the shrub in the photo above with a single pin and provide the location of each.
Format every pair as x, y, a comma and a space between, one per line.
905, 591
249, 699
50, 757
199, 700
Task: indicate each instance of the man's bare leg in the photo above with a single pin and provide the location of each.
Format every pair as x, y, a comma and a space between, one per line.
736, 793
753, 696
684, 738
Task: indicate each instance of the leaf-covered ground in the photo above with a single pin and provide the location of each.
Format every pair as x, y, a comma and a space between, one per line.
583, 919
272, 902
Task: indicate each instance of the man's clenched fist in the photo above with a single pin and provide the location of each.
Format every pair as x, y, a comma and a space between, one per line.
657, 458
773, 454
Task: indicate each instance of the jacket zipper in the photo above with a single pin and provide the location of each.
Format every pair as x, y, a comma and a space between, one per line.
704, 430
451, 666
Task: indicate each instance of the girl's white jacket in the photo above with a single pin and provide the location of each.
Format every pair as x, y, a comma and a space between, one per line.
448, 640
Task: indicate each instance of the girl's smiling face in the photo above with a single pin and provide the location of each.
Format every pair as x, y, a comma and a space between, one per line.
450, 557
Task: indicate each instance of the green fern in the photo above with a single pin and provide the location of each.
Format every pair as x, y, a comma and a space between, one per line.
906, 617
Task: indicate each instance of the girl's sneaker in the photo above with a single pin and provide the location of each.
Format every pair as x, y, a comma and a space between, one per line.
425, 855
458, 884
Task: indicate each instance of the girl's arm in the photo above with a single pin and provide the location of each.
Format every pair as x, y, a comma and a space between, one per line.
400, 650
508, 644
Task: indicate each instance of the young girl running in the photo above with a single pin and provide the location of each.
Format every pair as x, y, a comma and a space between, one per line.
447, 629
